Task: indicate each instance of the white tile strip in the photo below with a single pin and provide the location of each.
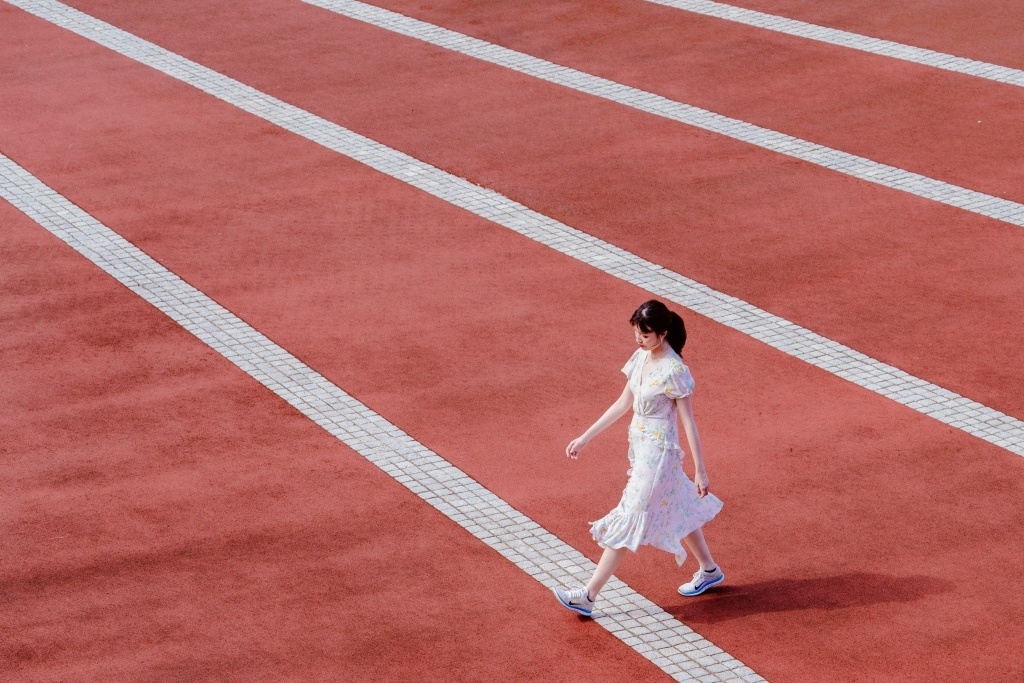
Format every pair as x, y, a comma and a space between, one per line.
855, 41
927, 398
634, 619
819, 155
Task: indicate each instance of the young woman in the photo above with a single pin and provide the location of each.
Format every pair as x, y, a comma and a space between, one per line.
660, 505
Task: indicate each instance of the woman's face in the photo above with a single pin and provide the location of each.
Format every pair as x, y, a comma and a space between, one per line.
648, 340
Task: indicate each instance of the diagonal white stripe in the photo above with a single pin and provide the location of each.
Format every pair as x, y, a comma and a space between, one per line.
819, 155
855, 41
927, 398
640, 623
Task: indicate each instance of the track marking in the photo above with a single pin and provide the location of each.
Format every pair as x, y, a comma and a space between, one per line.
859, 167
937, 402
644, 626
855, 41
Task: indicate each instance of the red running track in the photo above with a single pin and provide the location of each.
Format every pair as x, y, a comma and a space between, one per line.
956, 128
166, 518
849, 519
987, 30
930, 289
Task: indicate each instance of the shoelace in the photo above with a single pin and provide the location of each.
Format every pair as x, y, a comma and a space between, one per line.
578, 595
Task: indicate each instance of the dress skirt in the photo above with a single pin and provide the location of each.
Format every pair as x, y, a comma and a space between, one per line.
660, 504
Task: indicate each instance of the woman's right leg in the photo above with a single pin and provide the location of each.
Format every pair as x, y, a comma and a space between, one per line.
610, 560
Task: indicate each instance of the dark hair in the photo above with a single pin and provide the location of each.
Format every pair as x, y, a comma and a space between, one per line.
654, 316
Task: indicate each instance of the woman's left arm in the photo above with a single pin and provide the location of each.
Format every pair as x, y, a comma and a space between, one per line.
684, 406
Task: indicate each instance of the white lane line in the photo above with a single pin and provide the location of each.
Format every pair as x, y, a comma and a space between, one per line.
855, 41
634, 619
819, 155
937, 402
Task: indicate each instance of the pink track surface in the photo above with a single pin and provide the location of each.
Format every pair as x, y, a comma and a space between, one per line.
169, 519
882, 271
949, 126
987, 30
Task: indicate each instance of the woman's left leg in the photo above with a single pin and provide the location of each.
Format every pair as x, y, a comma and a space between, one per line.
709, 573
699, 547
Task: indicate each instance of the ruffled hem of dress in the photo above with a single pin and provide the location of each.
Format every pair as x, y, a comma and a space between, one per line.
627, 531
617, 530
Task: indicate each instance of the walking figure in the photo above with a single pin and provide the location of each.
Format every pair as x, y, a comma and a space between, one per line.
660, 505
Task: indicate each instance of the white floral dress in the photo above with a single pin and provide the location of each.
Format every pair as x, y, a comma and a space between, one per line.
660, 504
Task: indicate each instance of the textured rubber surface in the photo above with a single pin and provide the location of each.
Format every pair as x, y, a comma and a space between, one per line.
851, 40
671, 645
167, 518
867, 510
988, 30
943, 125
880, 271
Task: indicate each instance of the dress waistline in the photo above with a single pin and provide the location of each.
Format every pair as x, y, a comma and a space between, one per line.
663, 418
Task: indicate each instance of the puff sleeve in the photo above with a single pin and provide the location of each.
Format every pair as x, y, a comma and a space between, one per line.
630, 365
679, 382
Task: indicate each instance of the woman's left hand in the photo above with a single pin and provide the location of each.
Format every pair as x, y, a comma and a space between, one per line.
702, 482
574, 447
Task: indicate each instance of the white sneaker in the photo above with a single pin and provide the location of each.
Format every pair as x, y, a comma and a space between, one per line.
702, 581
575, 599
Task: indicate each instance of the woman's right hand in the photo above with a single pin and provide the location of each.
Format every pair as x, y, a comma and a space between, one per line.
574, 447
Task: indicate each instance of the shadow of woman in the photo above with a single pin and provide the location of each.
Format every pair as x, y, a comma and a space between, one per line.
856, 589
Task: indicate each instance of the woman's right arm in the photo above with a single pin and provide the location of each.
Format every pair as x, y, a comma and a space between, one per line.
621, 406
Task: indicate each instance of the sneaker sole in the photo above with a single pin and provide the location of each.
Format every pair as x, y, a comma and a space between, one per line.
703, 588
574, 608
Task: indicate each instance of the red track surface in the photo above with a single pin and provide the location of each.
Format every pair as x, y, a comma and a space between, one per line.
988, 30
247, 544
887, 273
956, 128
167, 518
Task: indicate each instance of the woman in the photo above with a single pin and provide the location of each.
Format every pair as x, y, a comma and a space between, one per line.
660, 505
